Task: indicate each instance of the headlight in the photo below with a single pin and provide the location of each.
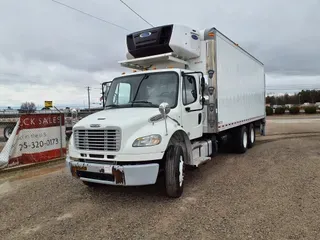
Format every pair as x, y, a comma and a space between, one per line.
147, 141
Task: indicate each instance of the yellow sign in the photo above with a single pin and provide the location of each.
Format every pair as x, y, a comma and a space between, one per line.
48, 104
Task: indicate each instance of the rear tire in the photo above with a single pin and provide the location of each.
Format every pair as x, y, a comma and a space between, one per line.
174, 171
251, 135
241, 139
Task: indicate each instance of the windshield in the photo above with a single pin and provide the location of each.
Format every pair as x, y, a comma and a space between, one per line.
146, 90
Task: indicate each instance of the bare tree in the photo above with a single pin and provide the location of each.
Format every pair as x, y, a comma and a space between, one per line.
28, 107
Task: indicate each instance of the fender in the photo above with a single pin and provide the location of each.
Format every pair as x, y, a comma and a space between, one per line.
180, 137
176, 135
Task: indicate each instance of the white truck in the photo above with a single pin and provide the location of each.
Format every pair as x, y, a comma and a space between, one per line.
188, 93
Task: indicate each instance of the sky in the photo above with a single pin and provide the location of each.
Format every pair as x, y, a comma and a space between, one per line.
50, 52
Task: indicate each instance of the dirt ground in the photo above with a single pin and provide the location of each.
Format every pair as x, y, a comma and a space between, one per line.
271, 192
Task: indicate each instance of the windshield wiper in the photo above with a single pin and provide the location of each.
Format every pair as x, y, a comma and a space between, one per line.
142, 101
112, 106
142, 79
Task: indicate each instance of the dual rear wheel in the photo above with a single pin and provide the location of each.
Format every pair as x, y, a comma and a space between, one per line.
244, 137
174, 169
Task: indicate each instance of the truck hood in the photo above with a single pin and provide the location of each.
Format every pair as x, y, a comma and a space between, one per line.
119, 117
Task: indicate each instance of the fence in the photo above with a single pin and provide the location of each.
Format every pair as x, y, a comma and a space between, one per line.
35, 137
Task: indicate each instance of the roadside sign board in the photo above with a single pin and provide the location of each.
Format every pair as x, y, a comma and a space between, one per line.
48, 104
37, 139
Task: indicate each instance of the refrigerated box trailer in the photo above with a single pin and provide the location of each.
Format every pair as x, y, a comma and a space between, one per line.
189, 93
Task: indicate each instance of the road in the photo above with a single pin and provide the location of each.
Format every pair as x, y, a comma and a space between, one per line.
271, 192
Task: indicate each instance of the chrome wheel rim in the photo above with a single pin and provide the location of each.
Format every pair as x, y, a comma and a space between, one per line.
245, 139
252, 135
181, 173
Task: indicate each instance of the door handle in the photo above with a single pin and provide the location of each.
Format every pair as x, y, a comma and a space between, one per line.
187, 109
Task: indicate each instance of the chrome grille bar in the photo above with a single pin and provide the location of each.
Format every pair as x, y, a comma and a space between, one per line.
98, 139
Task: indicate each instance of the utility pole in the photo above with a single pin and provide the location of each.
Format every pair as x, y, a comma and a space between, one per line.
88, 89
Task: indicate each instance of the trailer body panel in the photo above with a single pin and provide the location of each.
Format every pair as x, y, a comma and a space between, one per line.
240, 85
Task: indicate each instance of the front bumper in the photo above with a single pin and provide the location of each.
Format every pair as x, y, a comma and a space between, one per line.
125, 175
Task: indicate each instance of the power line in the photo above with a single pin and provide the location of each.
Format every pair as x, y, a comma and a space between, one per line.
90, 15
136, 13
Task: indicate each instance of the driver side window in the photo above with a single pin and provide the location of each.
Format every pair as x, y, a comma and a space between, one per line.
122, 94
189, 90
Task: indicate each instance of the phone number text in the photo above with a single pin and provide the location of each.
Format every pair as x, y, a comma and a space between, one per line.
38, 144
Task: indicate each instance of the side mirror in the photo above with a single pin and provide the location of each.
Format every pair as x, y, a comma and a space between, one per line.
164, 109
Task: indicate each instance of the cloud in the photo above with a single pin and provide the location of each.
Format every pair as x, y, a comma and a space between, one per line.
38, 81
45, 47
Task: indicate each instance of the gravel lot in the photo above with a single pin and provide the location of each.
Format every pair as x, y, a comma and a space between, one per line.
271, 192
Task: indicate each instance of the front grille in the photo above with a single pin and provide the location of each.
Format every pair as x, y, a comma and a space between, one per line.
98, 139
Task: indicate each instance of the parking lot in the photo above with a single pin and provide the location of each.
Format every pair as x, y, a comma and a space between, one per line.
271, 192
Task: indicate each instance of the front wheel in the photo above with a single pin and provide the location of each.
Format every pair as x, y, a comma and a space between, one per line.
174, 171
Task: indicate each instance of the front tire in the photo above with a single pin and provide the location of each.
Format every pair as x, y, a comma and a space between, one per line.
174, 171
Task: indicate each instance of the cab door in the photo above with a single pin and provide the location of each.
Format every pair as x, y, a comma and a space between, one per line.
191, 112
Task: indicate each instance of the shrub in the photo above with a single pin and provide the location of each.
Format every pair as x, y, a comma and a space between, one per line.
280, 110
269, 110
310, 109
294, 110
